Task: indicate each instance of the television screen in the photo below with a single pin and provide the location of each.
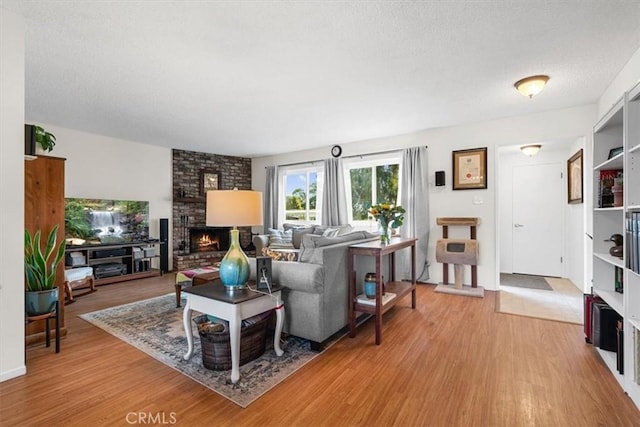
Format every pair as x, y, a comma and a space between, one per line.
100, 221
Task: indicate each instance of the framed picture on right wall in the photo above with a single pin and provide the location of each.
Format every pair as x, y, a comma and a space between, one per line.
574, 178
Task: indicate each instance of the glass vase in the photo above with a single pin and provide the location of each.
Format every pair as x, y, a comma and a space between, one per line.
385, 233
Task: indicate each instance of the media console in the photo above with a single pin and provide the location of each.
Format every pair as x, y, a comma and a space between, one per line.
113, 263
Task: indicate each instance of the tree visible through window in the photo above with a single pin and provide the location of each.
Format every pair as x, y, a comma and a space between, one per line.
371, 185
301, 190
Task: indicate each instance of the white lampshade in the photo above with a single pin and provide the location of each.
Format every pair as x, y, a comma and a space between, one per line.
531, 86
234, 208
530, 150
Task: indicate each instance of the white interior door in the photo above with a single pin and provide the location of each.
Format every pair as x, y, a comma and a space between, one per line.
537, 219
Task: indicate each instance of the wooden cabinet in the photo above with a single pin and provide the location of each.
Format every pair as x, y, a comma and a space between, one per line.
43, 209
118, 262
398, 288
616, 153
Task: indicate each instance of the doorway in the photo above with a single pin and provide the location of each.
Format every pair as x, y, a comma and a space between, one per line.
538, 231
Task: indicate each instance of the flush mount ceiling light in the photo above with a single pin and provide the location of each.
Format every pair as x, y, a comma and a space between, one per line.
531, 149
530, 86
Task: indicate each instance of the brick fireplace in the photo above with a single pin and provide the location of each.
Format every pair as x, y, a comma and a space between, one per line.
208, 239
189, 206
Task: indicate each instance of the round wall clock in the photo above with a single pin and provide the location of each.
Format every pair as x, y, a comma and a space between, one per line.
336, 151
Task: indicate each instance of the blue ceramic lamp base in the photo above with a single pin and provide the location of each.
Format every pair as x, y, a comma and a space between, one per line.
234, 267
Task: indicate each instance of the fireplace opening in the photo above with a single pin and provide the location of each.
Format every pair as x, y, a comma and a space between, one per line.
209, 239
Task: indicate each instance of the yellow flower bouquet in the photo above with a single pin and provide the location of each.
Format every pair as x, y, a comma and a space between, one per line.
388, 216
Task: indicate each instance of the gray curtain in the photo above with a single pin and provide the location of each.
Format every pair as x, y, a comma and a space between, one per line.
414, 198
270, 198
334, 198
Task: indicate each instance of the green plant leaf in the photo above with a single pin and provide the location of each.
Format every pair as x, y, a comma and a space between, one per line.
40, 276
45, 139
51, 242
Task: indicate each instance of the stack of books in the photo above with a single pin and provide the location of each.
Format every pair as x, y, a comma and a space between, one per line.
605, 193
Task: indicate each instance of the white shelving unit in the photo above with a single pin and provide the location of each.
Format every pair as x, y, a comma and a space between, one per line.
620, 127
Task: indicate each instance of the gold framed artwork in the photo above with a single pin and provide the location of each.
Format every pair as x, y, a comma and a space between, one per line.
574, 178
208, 181
470, 169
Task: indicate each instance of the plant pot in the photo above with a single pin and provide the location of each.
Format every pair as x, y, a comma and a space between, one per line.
40, 302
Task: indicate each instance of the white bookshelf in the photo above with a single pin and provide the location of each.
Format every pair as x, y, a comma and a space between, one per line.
620, 127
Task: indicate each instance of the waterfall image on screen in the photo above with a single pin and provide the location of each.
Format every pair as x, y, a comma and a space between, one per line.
106, 223
99, 221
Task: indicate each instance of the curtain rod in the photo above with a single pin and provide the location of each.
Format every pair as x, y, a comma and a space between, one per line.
353, 156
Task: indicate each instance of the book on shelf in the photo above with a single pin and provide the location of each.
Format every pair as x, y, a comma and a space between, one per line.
633, 240
620, 348
636, 359
605, 184
618, 284
388, 296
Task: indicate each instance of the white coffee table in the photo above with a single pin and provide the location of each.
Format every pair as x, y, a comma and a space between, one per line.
214, 299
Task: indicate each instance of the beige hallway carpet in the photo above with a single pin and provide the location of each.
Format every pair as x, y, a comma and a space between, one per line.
563, 304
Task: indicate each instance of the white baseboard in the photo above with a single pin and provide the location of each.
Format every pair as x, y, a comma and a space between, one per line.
7, 375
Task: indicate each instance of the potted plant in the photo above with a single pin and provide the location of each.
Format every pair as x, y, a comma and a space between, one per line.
45, 139
36, 134
40, 272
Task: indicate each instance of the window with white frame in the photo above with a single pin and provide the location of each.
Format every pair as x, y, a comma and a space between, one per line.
300, 188
371, 180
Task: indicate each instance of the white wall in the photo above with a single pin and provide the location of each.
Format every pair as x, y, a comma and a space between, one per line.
12, 362
99, 167
570, 123
628, 77
576, 226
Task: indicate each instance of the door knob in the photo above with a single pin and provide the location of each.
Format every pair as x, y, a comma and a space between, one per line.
518, 225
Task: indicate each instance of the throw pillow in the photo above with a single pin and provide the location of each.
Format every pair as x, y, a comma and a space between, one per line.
331, 232
280, 256
345, 229
281, 239
297, 235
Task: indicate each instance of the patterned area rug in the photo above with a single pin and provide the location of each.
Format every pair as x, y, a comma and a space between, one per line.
155, 327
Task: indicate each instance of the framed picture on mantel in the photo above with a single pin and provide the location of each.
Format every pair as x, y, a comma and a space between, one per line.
208, 181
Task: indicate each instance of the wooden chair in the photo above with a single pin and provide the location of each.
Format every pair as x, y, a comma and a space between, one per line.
78, 278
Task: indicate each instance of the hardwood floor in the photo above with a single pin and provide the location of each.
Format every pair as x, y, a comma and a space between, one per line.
453, 361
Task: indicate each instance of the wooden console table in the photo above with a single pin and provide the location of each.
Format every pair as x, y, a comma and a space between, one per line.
399, 288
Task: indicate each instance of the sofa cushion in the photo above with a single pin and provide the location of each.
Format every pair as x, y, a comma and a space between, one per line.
287, 226
297, 235
320, 230
311, 242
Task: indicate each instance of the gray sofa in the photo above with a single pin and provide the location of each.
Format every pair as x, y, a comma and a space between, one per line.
290, 237
316, 289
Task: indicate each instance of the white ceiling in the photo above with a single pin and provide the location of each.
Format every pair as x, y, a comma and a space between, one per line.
253, 78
